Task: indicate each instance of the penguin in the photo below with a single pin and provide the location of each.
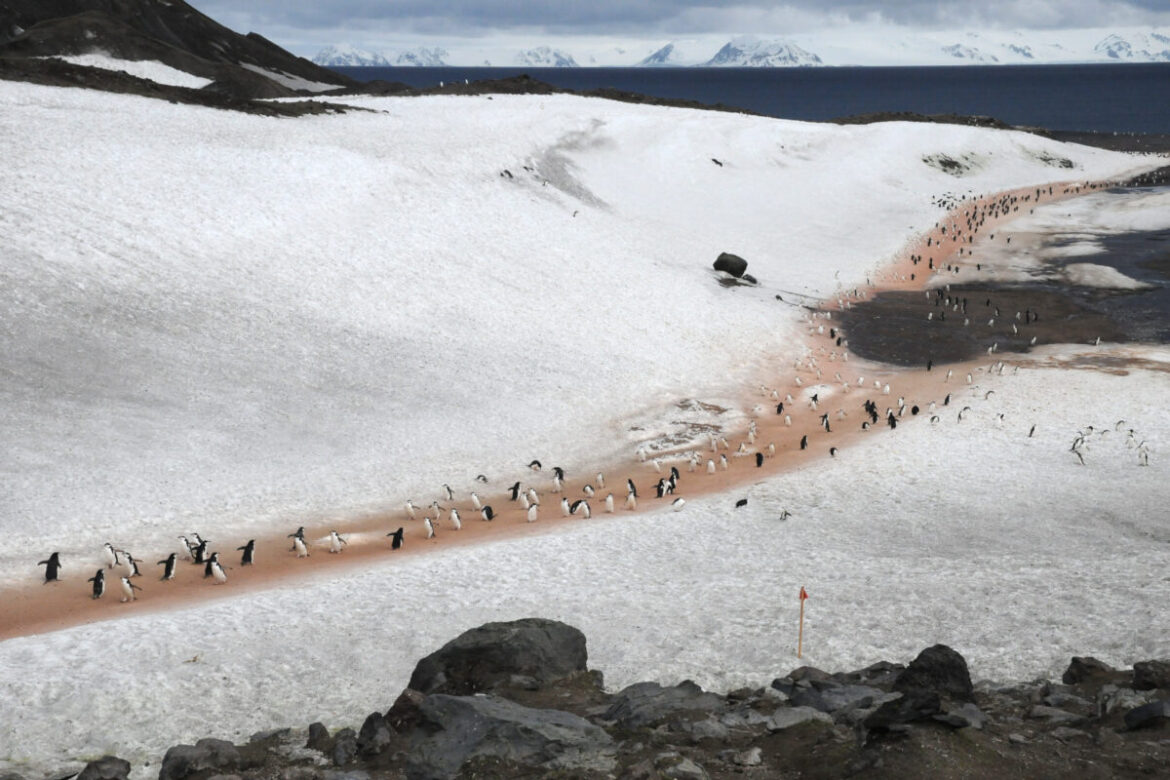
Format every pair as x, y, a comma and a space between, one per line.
565, 509
660, 488
600, 480
723, 461
678, 504
199, 551
581, 506
99, 583
303, 550
396, 539
710, 467
214, 559
187, 547
759, 459
524, 502
804, 442
487, 513
447, 492
631, 501
410, 510
633, 491
947, 400
558, 485
609, 503
788, 421
336, 542
674, 475
515, 491
52, 567
534, 465
430, 527
131, 565
455, 521
832, 452
218, 573
111, 555
249, 550
559, 473
532, 513
128, 589
298, 535
475, 502
532, 497
741, 503
588, 491
780, 408
771, 450
438, 509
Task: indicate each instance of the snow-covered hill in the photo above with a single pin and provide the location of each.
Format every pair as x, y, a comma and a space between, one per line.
1138, 47
422, 56
344, 55
544, 57
751, 52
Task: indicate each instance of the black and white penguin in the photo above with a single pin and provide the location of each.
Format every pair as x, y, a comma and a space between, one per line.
299, 534
111, 555
99, 583
396, 539
674, 475
759, 459
169, 564
588, 491
710, 467
631, 489
52, 567
481, 478
487, 513
430, 527
303, 549
410, 510
566, 510
131, 565
199, 551
534, 465
533, 513
582, 506
336, 542
609, 503
447, 492
600, 480
532, 497
804, 442
559, 473
456, 522
214, 559
678, 504
188, 546
631, 501
217, 573
832, 452
515, 491
128, 589
723, 461
475, 502
249, 550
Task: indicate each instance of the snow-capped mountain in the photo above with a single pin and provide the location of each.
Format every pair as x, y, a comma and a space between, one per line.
423, 57
750, 52
346, 56
1136, 47
545, 57
961, 52
663, 57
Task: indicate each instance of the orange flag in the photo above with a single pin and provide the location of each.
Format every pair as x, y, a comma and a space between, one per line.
803, 593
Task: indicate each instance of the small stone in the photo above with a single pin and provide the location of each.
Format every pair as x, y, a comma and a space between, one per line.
967, 716
319, 738
1017, 739
1055, 716
709, 729
682, 769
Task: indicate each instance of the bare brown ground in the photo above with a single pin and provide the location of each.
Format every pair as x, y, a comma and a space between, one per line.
35, 608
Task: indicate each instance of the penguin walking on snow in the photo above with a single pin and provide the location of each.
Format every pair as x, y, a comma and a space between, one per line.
128, 589
430, 527
200, 550
249, 550
533, 511
487, 513
217, 573
99, 583
336, 542
515, 489
169, 564
213, 560
475, 502
396, 539
456, 523
631, 488
298, 534
303, 549
111, 554
609, 503
52, 567
566, 510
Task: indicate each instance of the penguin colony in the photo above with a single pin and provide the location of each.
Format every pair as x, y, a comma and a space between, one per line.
968, 216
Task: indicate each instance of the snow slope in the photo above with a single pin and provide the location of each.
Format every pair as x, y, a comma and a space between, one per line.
325, 323
143, 69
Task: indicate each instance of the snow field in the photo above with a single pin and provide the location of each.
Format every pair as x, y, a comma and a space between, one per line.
970, 534
152, 70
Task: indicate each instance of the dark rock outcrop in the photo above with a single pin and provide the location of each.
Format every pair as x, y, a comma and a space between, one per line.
374, 736
491, 656
939, 670
459, 729
1148, 675
731, 264
1155, 713
1082, 669
106, 768
207, 754
647, 703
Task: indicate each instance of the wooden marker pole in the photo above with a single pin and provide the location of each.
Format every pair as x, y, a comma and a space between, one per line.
800, 634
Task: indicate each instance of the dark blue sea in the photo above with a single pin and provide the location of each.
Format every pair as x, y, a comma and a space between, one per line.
1125, 98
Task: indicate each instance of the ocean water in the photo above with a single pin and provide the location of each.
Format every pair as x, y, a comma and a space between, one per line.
1124, 98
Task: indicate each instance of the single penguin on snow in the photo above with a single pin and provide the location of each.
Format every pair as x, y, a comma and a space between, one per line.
455, 521
430, 527
396, 540
52, 567
128, 589
609, 503
488, 513
249, 550
214, 559
217, 573
533, 511
99, 583
515, 491
169, 563
336, 542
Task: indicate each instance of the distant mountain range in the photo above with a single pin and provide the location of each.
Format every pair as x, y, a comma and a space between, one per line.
892, 46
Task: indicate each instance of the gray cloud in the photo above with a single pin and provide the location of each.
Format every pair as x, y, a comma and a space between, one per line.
584, 17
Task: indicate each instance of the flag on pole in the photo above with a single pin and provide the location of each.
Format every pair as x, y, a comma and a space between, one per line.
803, 593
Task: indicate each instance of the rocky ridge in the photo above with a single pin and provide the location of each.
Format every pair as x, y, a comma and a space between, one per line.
516, 700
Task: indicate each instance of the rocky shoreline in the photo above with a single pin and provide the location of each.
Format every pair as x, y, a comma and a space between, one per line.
517, 700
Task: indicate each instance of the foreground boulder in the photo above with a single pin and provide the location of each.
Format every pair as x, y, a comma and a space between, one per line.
106, 768
519, 653
648, 703
1086, 669
206, 754
456, 730
731, 264
938, 670
1148, 675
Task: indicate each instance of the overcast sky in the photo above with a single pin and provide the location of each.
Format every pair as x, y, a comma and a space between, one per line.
301, 23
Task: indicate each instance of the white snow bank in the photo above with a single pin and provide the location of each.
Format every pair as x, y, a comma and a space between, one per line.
289, 80
1102, 276
221, 322
144, 69
971, 534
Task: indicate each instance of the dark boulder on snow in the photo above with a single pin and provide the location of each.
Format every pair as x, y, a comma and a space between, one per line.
495, 654
1148, 715
939, 670
375, 735
731, 264
457, 729
648, 703
1148, 675
1086, 669
207, 754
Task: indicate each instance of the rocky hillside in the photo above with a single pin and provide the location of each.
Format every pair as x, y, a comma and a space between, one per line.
516, 700
172, 33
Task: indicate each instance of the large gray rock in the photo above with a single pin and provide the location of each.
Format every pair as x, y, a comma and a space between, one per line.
487, 657
1086, 669
966, 716
912, 706
731, 264
456, 729
1055, 716
840, 697
647, 703
374, 736
787, 717
106, 768
206, 754
938, 670
1148, 675
1152, 714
